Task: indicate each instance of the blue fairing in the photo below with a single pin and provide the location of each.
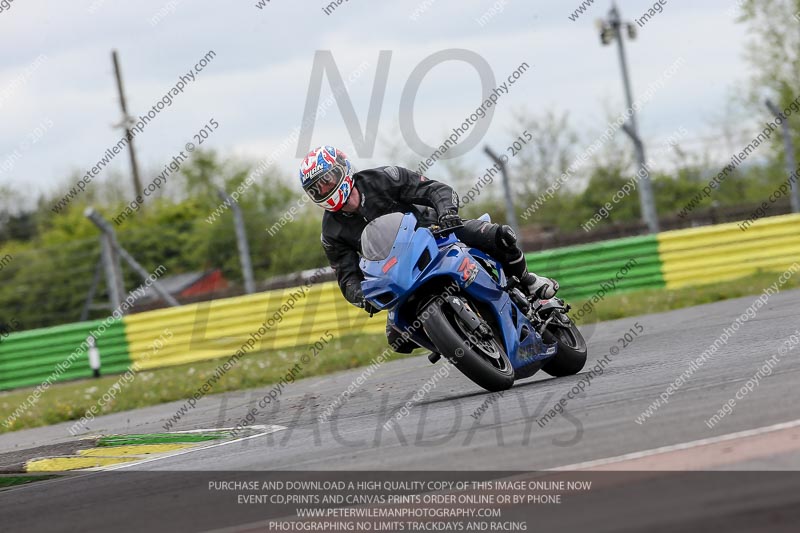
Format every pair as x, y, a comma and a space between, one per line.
417, 257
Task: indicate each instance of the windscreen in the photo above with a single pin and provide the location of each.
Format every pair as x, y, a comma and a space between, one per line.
379, 235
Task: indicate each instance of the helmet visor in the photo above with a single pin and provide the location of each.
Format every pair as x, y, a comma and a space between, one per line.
326, 185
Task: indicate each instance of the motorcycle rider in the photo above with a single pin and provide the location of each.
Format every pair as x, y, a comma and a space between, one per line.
352, 199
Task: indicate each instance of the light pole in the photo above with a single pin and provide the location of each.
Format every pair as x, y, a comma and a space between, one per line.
127, 120
612, 29
788, 146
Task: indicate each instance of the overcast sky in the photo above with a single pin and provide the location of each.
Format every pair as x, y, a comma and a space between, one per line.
58, 98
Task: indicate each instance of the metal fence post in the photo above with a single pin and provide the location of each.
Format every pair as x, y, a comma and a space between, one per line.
112, 271
791, 164
241, 241
109, 232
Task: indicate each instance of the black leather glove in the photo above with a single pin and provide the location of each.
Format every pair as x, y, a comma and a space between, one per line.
450, 221
369, 308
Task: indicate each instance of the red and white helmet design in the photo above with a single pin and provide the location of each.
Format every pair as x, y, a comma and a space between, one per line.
327, 177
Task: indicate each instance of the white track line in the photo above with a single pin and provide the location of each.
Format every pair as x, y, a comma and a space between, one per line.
681, 446
91, 472
269, 429
216, 430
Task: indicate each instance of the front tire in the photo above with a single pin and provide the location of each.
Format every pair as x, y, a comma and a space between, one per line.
472, 357
571, 355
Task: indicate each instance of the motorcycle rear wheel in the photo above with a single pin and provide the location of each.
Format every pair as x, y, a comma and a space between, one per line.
571, 355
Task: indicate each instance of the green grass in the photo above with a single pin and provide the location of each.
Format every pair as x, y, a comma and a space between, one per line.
70, 401
13, 481
158, 438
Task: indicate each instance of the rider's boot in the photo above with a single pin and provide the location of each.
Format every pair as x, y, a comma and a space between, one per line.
532, 285
538, 287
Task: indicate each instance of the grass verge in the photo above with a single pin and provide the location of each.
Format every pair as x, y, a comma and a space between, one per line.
13, 481
70, 401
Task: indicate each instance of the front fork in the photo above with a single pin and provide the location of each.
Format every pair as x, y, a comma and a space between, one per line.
473, 322
477, 328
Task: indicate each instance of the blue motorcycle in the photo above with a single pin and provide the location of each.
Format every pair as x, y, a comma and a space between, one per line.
456, 301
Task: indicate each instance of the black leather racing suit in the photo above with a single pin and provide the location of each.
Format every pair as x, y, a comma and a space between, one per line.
394, 189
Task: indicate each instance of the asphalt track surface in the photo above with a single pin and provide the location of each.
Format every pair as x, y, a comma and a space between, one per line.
440, 432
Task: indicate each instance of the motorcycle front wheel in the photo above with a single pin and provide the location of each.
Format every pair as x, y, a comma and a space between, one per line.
483, 361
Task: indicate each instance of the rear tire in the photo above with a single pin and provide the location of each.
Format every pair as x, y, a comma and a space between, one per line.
571, 355
443, 328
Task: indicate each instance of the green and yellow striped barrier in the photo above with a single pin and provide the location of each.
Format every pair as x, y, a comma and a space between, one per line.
710, 254
293, 317
33, 357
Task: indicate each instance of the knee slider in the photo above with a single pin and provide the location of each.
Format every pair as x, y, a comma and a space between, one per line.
506, 239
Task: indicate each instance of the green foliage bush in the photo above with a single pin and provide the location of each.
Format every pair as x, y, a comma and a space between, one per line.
54, 261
